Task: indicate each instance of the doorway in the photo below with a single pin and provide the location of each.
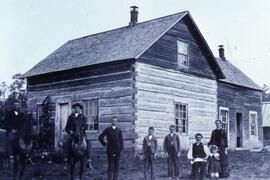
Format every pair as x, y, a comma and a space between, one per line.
239, 130
60, 123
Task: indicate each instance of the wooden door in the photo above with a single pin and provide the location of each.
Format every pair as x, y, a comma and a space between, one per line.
63, 110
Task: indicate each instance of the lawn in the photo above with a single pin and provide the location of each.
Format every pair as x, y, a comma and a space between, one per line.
243, 164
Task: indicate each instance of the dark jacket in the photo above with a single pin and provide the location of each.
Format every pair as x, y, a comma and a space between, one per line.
219, 138
16, 122
114, 142
153, 144
174, 140
74, 121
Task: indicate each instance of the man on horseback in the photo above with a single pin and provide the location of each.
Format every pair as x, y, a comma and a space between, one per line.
74, 120
15, 121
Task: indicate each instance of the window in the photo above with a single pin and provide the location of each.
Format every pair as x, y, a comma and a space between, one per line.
253, 123
38, 116
91, 113
182, 54
224, 117
181, 118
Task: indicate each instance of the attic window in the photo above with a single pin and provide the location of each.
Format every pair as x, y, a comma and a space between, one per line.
182, 54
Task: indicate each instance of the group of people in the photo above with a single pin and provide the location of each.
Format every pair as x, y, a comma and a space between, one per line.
214, 154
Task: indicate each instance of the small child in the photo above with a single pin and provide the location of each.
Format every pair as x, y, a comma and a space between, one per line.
214, 162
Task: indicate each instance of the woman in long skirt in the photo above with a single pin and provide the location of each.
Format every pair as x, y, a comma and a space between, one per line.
219, 138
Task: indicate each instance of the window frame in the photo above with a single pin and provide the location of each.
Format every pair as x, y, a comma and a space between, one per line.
98, 115
180, 65
256, 124
228, 118
179, 128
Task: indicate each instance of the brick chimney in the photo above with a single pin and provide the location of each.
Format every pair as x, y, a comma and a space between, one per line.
221, 52
133, 15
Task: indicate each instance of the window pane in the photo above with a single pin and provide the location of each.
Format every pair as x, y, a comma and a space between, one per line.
182, 60
182, 47
91, 113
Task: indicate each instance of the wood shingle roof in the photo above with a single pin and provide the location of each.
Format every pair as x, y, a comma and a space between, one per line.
235, 76
118, 44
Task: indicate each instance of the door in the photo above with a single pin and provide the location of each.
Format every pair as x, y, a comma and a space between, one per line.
63, 110
239, 130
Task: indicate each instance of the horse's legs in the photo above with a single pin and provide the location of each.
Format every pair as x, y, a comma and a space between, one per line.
23, 164
15, 166
72, 163
82, 166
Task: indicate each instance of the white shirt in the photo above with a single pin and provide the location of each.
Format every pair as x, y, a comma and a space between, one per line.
77, 114
190, 151
16, 113
113, 127
150, 137
171, 134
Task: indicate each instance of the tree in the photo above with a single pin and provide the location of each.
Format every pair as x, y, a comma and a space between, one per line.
266, 93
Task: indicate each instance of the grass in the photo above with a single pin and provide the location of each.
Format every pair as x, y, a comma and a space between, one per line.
244, 165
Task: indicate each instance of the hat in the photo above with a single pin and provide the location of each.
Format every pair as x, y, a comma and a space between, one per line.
77, 104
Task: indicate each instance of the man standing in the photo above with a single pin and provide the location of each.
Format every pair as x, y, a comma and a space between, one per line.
172, 151
150, 145
15, 121
114, 147
74, 120
198, 154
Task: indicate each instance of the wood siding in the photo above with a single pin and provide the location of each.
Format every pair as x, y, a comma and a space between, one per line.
241, 100
111, 83
156, 91
163, 53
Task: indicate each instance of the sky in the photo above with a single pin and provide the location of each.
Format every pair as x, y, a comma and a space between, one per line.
32, 29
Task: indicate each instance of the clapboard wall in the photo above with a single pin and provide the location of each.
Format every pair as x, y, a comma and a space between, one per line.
111, 83
163, 52
241, 100
157, 89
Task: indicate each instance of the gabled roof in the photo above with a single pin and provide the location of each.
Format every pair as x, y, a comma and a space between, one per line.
118, 44
235, 76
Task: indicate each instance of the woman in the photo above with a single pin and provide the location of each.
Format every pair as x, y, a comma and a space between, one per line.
219, 138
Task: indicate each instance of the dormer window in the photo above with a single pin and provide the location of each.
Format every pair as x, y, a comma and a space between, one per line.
182, 54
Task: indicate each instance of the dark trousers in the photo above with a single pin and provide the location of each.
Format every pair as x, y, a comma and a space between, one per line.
149, 165
198, 171
173, 164
113, 165
13, 138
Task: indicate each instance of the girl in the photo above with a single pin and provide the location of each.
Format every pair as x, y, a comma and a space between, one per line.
214, 163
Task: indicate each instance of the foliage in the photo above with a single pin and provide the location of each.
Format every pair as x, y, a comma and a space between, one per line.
46, 136
266, 93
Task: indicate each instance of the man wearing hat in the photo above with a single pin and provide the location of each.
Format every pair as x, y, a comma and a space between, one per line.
198, 154
70, 128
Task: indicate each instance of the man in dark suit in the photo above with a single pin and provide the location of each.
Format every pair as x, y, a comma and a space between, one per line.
114, 147
172, 150
74, 120
150, 145
15, 121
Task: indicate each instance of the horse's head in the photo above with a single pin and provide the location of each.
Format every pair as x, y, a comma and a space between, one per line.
25, 143
79, 145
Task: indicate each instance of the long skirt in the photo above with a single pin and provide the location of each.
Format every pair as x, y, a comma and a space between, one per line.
224, 164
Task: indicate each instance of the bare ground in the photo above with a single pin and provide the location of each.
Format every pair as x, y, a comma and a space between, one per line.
244, 165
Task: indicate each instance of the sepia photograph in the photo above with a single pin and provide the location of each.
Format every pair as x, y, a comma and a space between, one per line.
134, 90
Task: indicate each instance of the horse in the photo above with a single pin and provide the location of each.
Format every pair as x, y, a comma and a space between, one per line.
22, 147
77, 152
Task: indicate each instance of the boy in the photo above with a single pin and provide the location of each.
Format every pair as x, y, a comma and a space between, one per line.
172, 150
198, 154
149, 150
